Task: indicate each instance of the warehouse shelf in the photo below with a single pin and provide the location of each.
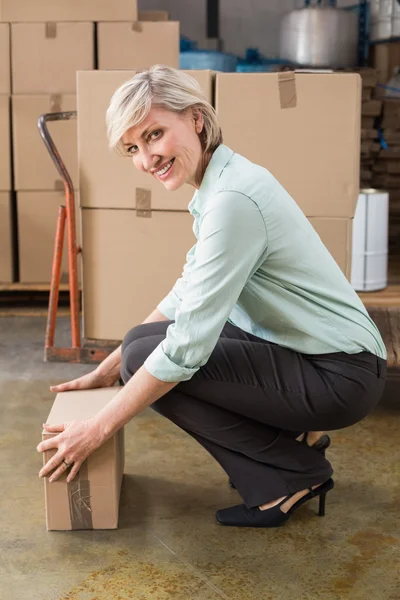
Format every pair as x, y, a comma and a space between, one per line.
30, 287
390, 296
384, 41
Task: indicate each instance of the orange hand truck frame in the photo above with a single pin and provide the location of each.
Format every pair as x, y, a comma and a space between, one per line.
93, 351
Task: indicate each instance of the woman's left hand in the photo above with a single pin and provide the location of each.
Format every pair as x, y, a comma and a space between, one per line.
75, 441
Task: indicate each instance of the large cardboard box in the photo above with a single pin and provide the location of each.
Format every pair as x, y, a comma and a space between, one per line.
125, 275
6, 271
304, 128
37, 221
107, 180
5, 144
130, 263
67, 10
138, 45
56, 52
33, 166
336, 234
91, 500
116, 240
5, 86
153, 15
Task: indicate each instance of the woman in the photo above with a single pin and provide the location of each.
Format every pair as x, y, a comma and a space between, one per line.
260, 346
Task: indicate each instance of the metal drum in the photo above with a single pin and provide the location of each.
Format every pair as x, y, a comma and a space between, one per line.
320, 36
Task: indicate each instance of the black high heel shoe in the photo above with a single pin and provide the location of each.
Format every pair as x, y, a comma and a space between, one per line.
321, 445
241, 516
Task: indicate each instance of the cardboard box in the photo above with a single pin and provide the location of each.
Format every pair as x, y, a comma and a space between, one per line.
33, 166
367, 122
5, 144
369, 147
366, 94
390, 123
385, 57
387, 166
392, 136
386, 181
391, 108
371, 108
37, 221
6, 271
336, 234
304, 128
369, 77
67, 10
153, 15
56, 51
107, 180
370, 134
113, 239
138, 45
5, 84
91, 500
391, 153
130, 263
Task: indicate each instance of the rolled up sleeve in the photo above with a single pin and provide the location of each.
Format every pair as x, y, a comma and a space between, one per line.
170, 303
232, 242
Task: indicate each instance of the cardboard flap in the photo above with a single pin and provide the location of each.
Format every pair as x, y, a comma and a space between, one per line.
80, 404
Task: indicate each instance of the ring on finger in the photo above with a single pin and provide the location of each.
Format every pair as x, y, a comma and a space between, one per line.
65, 463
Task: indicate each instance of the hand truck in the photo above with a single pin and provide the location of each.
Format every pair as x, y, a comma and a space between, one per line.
93, 351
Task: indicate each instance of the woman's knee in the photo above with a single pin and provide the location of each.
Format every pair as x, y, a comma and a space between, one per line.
133, 334
144, 330
135, 353
132, 359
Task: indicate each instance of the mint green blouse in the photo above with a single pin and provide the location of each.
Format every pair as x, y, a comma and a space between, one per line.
259, 264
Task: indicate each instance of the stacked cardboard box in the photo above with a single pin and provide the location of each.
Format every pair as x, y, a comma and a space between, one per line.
139, 45
6, 270
387, 169
305, 129
67, 10
50, 42
370, 110
311, 145
124, 272
43, 84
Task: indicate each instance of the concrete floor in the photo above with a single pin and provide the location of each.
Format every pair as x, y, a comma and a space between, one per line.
168, 545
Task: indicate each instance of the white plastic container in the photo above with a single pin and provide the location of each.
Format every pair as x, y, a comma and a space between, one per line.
381, 30
369, 263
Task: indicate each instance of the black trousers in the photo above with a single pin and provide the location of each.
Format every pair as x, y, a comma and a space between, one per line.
252, 399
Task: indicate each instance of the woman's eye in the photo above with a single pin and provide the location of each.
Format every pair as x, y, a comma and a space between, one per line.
155, 134
132, 149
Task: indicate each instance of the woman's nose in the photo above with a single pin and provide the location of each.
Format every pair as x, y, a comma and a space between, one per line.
149, 161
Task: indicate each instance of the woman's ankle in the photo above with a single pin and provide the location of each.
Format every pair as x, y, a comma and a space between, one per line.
312, 437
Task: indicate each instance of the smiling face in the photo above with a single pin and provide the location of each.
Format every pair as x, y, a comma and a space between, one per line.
166, 145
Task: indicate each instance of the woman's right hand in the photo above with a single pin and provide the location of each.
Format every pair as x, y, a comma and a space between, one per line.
106, 374
95, 379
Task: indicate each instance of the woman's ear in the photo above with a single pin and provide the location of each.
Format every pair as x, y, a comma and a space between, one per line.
198, 120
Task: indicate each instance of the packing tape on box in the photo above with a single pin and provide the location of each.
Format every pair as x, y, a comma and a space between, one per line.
55, 103
143, 203
287, 89
80, 509
51, 30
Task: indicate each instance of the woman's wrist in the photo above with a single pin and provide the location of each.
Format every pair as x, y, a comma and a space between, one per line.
111, 365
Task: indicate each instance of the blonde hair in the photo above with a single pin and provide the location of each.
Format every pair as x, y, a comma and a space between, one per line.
159, 86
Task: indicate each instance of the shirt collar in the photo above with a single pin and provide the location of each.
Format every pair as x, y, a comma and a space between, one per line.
217, 164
